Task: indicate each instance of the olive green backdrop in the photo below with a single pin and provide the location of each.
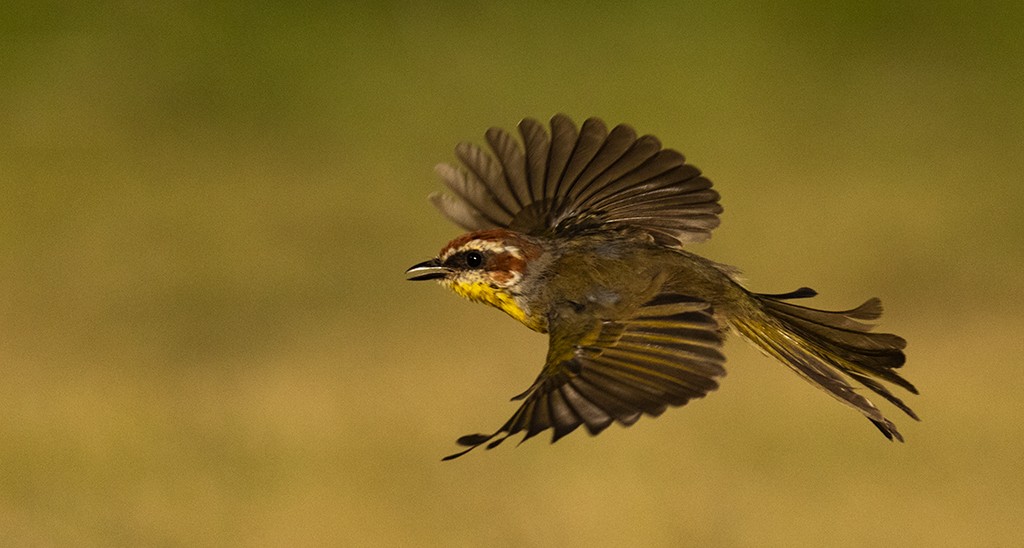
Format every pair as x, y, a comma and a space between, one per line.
206, 211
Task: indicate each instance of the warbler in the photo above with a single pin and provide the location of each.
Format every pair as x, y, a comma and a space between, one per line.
579, 233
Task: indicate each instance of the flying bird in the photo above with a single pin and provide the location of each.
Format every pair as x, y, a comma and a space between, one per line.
580, 233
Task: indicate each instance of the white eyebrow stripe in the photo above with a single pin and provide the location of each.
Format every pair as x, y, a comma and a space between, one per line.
484, 245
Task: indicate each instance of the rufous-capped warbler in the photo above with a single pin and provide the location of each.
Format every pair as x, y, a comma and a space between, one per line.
579, 233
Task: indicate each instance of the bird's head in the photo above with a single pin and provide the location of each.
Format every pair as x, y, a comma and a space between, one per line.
488, 266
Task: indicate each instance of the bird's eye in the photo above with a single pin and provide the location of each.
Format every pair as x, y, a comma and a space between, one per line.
474, 259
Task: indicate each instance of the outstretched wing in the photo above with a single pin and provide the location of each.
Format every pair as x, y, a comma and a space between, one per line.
666, 352
573, 180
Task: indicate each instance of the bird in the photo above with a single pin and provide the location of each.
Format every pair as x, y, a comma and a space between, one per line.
581, 232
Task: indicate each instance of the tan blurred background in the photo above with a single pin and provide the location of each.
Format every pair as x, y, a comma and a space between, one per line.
206, 211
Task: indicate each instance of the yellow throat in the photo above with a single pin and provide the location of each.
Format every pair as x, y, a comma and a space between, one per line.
483, 292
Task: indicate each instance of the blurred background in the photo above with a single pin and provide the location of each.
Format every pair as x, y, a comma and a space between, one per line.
206, 210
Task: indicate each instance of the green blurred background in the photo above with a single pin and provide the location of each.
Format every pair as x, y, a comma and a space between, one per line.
206, 210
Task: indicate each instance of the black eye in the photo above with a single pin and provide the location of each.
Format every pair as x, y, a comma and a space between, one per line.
474, 259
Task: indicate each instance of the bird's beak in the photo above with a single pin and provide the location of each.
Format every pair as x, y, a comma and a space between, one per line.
427, 270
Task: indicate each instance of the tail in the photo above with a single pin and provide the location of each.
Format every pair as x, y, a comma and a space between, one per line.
831, 348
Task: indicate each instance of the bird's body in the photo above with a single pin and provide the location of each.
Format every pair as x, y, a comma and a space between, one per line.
583, 276
580, 237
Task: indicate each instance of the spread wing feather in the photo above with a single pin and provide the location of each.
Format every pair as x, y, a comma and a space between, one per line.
570, 181
535, 137
599, 372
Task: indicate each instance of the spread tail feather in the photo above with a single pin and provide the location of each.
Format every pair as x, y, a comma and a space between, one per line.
829, 349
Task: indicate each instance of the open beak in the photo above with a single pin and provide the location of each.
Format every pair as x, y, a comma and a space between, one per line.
427, 270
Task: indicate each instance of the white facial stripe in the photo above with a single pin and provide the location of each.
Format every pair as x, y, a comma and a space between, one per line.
484, 245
